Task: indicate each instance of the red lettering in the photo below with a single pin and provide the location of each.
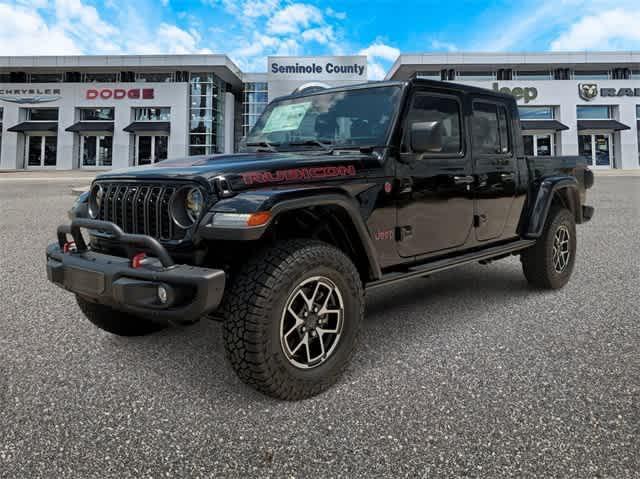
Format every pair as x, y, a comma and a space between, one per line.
119, 94
147, 94
92, 94
106, 94
133, 94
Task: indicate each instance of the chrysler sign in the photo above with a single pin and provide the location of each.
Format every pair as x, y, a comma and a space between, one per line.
120, 94
29, 95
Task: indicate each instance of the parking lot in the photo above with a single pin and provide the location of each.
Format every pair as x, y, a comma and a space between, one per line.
468, 373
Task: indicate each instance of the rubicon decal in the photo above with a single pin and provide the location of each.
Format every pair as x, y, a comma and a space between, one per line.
120, 94
297, 174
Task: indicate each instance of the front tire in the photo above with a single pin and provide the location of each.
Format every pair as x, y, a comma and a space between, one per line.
292, 316
117, 322
549, 263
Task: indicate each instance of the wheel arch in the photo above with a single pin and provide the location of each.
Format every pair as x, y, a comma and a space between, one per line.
557, 190
340, 218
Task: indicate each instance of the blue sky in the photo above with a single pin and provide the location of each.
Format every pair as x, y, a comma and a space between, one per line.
250, 30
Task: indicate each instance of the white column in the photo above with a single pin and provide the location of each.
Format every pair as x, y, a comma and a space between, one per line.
568, 138
628, 157
229, 122
11, 157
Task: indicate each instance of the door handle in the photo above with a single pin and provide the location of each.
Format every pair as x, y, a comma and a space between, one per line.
507, 176
463, 180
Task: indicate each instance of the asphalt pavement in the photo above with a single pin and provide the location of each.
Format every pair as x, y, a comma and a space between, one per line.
467, 373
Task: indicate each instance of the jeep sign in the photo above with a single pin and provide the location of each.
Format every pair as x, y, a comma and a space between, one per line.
519, 93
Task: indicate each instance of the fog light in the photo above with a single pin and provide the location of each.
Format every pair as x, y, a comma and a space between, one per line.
162, 294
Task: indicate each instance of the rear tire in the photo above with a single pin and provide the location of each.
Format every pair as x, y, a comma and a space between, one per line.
117, 322
292, 316
549, 263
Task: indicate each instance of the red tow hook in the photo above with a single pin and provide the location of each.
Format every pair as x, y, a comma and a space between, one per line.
137, 260
69, 247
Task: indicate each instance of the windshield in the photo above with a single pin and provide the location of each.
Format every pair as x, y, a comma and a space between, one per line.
352, 118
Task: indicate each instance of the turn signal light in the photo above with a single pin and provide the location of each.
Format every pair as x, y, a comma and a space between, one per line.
259, 219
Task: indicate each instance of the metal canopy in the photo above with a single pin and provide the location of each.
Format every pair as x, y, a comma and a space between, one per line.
543, 125
601, 125
91, 126
138, 126
35, 126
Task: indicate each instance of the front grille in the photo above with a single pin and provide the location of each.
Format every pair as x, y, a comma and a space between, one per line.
141, 208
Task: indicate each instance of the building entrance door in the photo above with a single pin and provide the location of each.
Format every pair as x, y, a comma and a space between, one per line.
598, 147
151, 149
41, 151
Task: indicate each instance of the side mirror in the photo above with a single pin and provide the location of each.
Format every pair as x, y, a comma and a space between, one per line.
426, 137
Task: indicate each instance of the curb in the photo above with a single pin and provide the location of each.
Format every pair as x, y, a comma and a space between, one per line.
78, 190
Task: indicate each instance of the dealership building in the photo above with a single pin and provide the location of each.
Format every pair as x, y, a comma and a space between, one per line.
106, 112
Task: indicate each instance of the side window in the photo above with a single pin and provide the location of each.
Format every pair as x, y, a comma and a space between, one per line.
425, 107
490, 129
505, 144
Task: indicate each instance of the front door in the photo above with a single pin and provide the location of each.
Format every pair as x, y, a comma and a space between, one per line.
151, 149
494, 168
435, 204
598, 148
41, 151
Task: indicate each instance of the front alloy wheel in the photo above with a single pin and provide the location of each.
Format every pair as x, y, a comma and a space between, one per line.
311, 322
292, 315
561, 249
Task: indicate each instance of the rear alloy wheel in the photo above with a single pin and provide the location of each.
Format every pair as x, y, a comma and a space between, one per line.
548, 264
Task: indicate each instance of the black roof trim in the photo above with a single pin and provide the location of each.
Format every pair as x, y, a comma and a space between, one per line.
148, 126
35, 126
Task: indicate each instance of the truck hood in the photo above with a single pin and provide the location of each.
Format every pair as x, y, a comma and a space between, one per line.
245, 170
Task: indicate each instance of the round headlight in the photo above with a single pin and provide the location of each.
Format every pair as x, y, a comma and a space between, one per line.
96, 196
194, 203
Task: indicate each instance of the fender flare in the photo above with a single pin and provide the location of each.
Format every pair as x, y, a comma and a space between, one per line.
549, 187
326, 199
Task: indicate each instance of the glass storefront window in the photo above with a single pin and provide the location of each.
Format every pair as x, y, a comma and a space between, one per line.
155, 77
476, 76
151, 149
46, 77
533, 75
41, 150
541, 144
594, 112
100, 77
42, 114
96, 150
96, 114
536, 112
255, 98
591, 74
152, 114
432, 75
206, 113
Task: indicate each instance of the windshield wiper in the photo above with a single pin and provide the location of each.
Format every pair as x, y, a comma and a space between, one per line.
265, 144
311, 141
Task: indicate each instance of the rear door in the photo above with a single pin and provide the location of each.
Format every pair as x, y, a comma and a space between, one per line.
435, 202
494, 166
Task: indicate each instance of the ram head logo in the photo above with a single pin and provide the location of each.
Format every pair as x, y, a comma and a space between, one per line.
588, 91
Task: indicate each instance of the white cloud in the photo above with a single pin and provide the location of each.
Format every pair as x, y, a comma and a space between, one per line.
380, 50
443, 46
332, 13
293, 18
260, 8
322, 35
379, 53
24, 32
614, 29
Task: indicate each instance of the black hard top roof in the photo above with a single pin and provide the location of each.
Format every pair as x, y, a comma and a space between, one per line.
436, 84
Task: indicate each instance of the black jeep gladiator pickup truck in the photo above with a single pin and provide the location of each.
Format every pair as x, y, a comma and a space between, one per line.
337, 192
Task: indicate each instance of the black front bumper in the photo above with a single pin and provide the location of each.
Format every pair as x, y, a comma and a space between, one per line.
191, 291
